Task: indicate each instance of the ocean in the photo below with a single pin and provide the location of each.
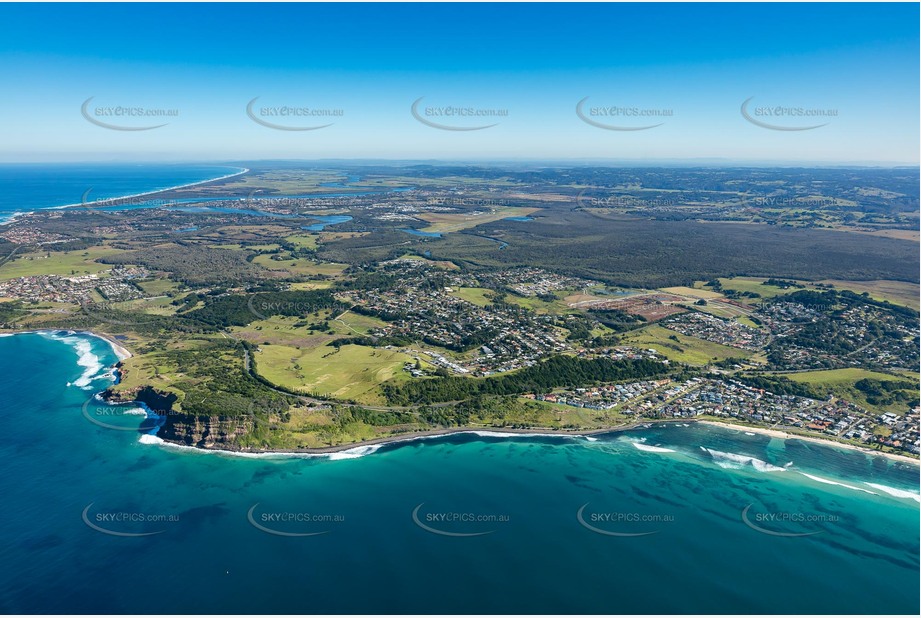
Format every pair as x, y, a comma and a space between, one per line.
643, 521
27, 187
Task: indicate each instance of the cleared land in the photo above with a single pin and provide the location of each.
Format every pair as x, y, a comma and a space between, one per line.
477, 296
690, 350
896, 292
65, 263
298, 266
306, 241
353, 372
841, 383
451, 222
692, 292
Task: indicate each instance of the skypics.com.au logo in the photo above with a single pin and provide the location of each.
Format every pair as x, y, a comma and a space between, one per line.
452, 117
291, 117
125, 117
785, 117
621, 117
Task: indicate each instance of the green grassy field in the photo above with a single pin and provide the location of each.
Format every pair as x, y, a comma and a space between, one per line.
291, 331
303, 241
299, 266
838, 376
535, 304
692, 292
311, 285
840, 383
583, 417
477, 296
690, 350
350, 323
896, 292
354, 372
753, 284
297, 332
64, 263
157, 287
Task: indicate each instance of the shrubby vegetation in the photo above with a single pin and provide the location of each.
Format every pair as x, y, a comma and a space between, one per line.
557, 371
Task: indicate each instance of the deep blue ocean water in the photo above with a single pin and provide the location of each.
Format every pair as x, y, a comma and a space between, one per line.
69, 483
28, 187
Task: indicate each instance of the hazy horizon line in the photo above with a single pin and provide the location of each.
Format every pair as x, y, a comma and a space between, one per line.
573, 161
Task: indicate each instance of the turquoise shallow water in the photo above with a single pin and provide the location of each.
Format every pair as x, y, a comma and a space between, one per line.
692, 551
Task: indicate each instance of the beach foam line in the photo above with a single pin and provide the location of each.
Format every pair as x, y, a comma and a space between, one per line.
652, 449
819, 479
154, 440
243, 170
897, 493
734, 461
354, 453
91, 363
71, 337
509, 434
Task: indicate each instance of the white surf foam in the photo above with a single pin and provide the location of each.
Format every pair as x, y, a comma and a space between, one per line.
734, 461
819, 479
509, 434
898, 493
85, 357
87, 360
652, 449
354, 453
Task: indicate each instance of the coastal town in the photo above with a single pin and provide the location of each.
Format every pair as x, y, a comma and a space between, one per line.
733, 401
113, 285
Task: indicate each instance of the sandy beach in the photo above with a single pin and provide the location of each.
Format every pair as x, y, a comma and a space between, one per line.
120, 351
8, 218
783, 435
116, 200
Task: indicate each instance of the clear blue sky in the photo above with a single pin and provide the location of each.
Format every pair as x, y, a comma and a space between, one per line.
372, 61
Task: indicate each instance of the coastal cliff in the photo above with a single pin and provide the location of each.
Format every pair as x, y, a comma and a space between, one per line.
205, 431
202, 431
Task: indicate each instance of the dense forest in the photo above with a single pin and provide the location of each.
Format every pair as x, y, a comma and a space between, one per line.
643, 253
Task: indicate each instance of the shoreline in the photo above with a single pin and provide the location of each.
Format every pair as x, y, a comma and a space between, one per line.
243, 170
501, 432
535, 432
122, 353
785, 435
115, 200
